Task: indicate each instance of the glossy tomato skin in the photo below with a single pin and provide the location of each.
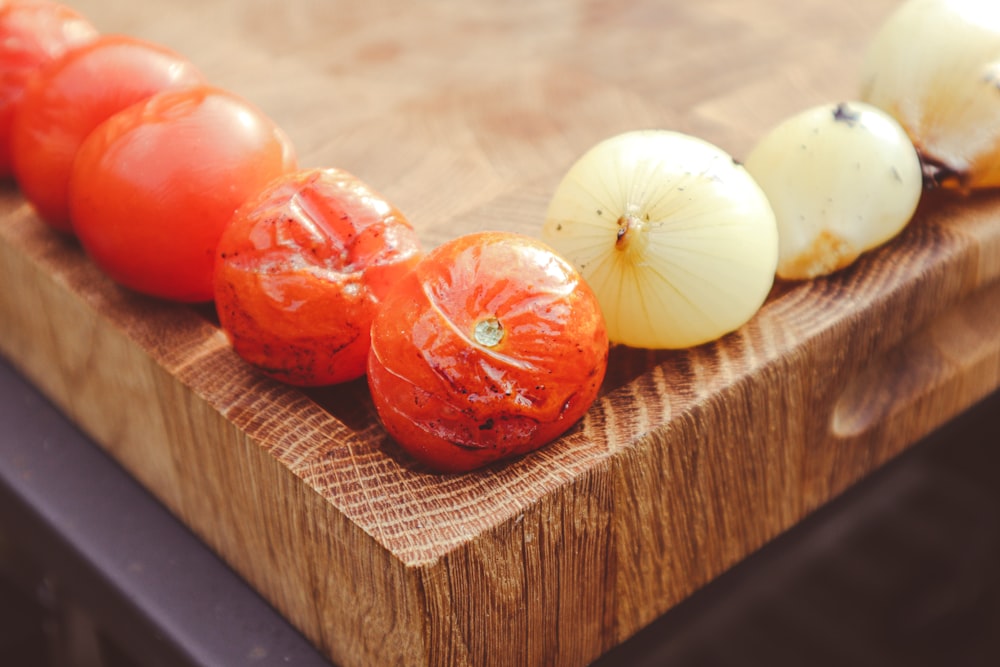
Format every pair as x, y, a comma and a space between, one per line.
70, 97
32, 34
301, 271
490, 348
153, 187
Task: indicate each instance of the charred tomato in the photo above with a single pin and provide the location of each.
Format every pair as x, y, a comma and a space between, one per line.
73, 95
302, 269
490, 348
154, 186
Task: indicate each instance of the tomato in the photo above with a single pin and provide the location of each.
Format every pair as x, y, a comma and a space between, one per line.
301, 271
72, 96
491, 347
31, 34
153, 187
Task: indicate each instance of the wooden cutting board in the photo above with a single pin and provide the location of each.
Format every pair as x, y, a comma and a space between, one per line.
466, 115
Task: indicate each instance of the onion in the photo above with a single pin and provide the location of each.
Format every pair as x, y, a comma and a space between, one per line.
675, 238
934, 65
842, 179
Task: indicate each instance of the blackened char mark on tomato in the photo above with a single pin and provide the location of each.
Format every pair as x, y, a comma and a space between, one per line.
304, 366
305, 358
496, 424
441, 372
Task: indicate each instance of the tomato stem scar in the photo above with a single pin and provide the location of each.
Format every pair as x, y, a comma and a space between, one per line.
489, 332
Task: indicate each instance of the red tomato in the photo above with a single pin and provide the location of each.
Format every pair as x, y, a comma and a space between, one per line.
72, 96
32, 34
491, 347
154, 186
301, 271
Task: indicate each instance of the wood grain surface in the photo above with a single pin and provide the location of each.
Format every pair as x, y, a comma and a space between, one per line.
466, 115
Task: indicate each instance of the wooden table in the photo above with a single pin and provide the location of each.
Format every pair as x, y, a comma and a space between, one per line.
465, 115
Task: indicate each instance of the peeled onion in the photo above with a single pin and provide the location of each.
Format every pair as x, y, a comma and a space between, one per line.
842, 179
934, 65
674, 237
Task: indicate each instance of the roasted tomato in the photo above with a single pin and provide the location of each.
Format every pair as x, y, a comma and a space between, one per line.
491, 347
301, 271
72, 96
32, 34
153, 187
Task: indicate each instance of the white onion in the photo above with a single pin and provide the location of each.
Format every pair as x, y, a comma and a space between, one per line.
934, 65
842, 179
675, 238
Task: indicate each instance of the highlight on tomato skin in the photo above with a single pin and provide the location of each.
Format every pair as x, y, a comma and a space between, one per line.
154, 186
490, 348
32, 33
301, 271
71, 96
